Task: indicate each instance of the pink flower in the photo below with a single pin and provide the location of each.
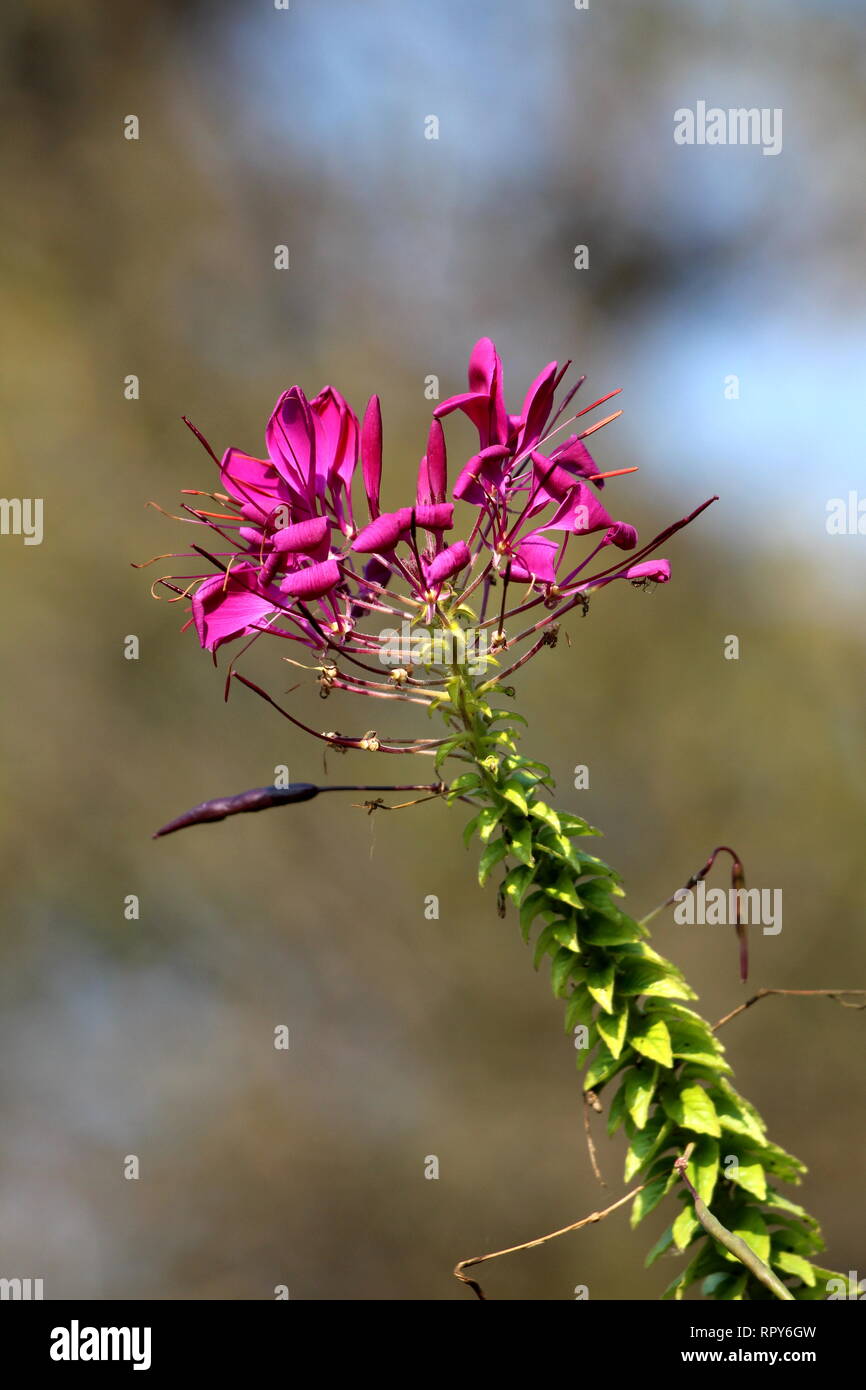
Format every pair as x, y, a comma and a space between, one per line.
288, 553
229, 606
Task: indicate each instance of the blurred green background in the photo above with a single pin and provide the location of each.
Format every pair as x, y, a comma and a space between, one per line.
305, 127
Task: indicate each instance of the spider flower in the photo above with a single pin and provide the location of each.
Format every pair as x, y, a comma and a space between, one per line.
281, 554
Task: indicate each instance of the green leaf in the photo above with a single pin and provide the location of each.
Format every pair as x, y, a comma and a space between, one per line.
703, 1168
730, 1287
546, 943
616, 1114
662, 1245
612, 1030
449, 745
689, 1047
579, 1010
791, 1235
576, 825
563, 891
599, 982
599, 931
509, 714
653, 1040
546, 813
639, 1088
520, 841
602, 1067
466, 782
705, 1262
513, 792
751, 1225
686, 1227
563, 963
647, 1144
647, 1201
691, 1107
469, 829
488, 820
566, 934
781, 1164
490, 858
747, 1173
653, 977
795, 1264
515, 884
781, 1203
534, 905
733, 1117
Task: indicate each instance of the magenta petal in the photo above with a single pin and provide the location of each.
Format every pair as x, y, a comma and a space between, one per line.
621, 534
580, 512
291, 439
574, 454
437, 467
657, 570
336, 429
383, 534
535, 558
226, 607
482, 470
423, 495
483, 365
447, 562
537, 406
312, 582
253, 482
438, 517
475, 404
371, 453
304, 537
551, 483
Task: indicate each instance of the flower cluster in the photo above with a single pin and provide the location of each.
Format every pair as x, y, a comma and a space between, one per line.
287, 556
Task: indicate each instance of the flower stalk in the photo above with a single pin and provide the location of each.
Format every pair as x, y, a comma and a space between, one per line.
303, 566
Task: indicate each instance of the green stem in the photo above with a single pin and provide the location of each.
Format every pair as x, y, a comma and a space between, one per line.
625, 1008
